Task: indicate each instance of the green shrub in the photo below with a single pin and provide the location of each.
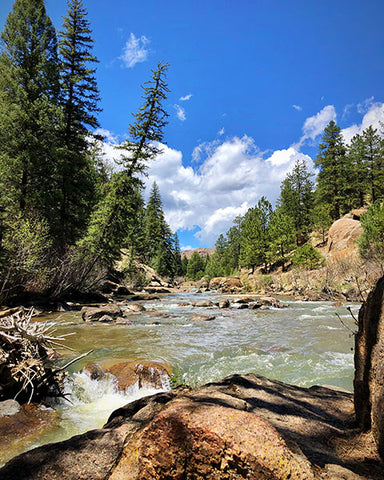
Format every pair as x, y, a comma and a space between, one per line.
308, 257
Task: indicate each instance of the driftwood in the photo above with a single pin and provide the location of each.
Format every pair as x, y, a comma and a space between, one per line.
26, 371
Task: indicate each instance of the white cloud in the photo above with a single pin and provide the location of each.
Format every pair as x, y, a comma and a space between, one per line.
186, 97
221, 132
233, 177
374, 116
185, 248
314, 126
180, 112
134, 51
364, 106
297, 107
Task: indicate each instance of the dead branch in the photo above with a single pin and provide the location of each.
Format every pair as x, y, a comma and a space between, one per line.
26, 371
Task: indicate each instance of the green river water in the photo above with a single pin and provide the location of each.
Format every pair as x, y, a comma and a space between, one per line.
304, 344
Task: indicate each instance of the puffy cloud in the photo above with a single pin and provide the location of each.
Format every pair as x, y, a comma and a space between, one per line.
373, 116
180, 112
297, 107
232, 178
134, 51
186, 97
314, 126
221, 132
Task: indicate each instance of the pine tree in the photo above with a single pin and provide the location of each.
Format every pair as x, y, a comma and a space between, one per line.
373, 160
297, 197
255, 236
79, 99
358, 179
113, 218
282, 236
332, 178
29, 110
158, 238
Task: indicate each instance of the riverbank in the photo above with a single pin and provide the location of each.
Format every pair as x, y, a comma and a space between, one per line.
244, 427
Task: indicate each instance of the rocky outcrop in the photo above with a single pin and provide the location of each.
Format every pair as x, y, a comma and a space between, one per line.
343, 234
244, 427
225, 284
369, 366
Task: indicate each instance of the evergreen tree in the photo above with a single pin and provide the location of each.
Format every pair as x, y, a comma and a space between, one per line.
281, 235
79, 100
371, 242
178, 267
332, 178
255, 236
114, 218
29, 110
196, 267
297, 197
358, 179
374, 163
158, 238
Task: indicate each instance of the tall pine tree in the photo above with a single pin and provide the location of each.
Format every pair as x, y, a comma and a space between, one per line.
29, 111
297, 197
79, 100
115, 216
332, 178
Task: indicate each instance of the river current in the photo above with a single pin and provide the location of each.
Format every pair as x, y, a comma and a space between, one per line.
304, 344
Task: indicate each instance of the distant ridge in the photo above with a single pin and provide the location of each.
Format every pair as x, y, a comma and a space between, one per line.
203, 252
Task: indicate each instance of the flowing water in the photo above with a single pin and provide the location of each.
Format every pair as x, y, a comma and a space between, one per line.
304, 344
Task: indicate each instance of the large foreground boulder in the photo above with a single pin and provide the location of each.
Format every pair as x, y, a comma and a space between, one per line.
244, 427
369, 366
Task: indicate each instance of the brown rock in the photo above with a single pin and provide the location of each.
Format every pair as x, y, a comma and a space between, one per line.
146, 374
245, 427
369, 366
225, 284
224, 303
202, 441
22, 428
135, 307
95, 371
91, 314
201, 317
343, 234
203, 303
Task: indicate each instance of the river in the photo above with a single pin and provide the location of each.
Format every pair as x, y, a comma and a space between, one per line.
304, 344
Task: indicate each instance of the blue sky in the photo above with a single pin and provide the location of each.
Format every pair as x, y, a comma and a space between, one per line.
253, 84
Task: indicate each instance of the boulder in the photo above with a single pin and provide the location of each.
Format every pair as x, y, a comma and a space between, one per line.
92, 314
245, 427
244, 300
240, 306
225, 284
201, 317
20, 428
203, 303
369, 366
106, 319
9, 408
343, 234
145, 374
135, 307
224, 303
123, 290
